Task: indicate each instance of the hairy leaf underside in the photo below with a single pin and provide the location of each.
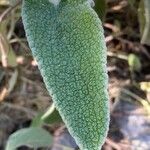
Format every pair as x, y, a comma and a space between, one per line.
68, 43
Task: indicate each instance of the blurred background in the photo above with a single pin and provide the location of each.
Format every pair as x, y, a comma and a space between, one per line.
24, 98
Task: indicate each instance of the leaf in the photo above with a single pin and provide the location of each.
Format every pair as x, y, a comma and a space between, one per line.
7, 56
100, 8
29, 137
12, 58
37, 122
132, 2
68, 44
134, 62
144, 20
52, 116
141, 16
12, 81
11, 84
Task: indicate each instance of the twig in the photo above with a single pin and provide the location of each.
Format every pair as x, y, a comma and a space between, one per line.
140, 46
7, 11
138, 98
20, 42
29, 112
120, 56
113, 144
4, 50
112, 27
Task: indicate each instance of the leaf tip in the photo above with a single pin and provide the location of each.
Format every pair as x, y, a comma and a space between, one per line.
55, 2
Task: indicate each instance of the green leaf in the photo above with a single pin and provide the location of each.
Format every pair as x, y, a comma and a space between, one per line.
12, 58
37, 122
29, 137
134, 62
100, 8
68, 44
52, 116
141, 16
144, 20
7, 51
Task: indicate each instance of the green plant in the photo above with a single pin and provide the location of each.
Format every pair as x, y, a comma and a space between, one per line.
144, 20
142, 8
67, 40
71, 97
100, 8
28, 137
